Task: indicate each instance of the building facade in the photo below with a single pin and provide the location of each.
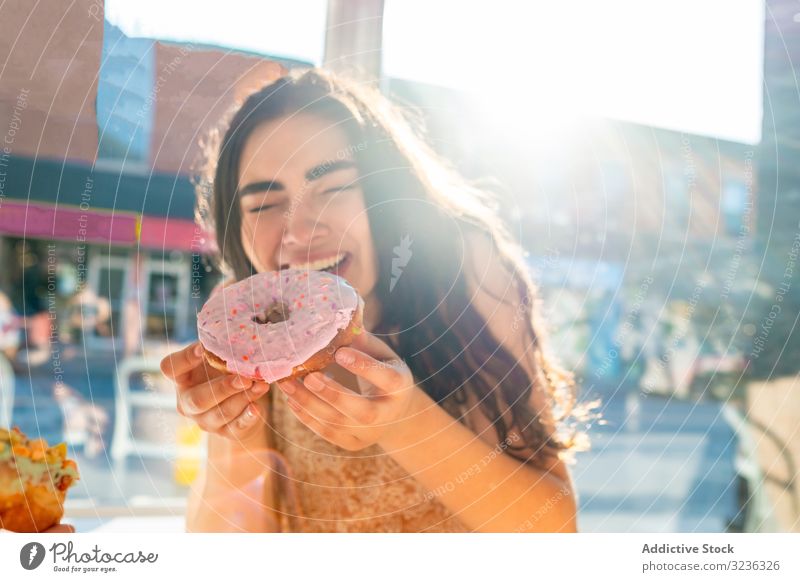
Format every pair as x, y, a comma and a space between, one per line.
97, 201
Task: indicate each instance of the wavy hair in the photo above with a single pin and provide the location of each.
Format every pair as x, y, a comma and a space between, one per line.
427, 315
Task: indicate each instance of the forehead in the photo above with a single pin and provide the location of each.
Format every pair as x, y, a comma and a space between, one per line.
292, 145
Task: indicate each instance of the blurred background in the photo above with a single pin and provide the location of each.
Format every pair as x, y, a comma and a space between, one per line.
644, 152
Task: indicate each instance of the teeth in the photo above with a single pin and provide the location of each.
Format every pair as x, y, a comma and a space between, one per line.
320, 264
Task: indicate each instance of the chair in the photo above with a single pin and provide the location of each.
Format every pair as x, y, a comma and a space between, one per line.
124, 443
6, 392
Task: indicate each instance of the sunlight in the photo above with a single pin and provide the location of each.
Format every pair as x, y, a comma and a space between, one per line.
288, 29
687, 66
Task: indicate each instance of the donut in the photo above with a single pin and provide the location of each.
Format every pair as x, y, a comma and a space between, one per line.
279, 324
34, 479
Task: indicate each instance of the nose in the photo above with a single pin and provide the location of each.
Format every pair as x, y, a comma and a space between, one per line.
303, 225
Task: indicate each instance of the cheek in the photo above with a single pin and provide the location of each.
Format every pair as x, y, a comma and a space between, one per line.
354, 219
361, 231
260, 246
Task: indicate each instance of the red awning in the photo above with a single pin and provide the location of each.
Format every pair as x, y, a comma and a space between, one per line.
175, 234
70, 223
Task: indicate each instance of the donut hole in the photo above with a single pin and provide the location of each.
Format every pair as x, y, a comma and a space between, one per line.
275, 313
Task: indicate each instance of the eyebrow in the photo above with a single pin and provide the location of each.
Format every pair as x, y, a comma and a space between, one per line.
314, 173
328, 167
263, 186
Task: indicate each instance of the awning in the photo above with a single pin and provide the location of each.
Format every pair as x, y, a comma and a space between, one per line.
67, 223
76, 184
74, 202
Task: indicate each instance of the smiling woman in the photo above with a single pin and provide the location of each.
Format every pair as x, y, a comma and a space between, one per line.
448, 414
301, 201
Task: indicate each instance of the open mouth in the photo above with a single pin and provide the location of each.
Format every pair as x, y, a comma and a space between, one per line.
335, 264
339, 266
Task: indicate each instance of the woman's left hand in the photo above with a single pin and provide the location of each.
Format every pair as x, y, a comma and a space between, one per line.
346, 418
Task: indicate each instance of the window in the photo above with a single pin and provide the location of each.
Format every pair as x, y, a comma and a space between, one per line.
734, 201
125, 97
100, 303
167, 299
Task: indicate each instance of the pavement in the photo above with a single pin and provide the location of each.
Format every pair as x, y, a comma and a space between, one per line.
658, 465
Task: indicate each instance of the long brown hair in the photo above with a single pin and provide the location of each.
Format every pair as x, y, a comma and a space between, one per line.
414, 198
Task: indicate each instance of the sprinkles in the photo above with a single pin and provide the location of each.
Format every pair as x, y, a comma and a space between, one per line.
271, 352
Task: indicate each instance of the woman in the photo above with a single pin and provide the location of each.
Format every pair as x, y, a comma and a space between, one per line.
448, 415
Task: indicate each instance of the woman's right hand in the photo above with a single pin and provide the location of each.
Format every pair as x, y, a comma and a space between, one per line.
223, 404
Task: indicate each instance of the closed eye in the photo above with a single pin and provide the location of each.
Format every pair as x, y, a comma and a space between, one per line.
328, 191
262, 207
337, 189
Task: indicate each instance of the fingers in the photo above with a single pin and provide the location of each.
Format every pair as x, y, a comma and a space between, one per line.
325, 430
318, 390
229, 409
217, 402
199, 374
373, 346
387, 376
198, 399
179, 363
300, 396
244, 424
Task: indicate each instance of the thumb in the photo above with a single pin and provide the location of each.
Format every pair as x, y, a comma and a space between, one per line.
373, 346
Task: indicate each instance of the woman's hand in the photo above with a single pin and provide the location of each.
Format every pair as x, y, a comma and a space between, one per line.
346, 418
219, 403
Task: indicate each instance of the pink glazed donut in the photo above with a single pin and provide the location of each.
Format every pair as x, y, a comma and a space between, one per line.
279, 324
